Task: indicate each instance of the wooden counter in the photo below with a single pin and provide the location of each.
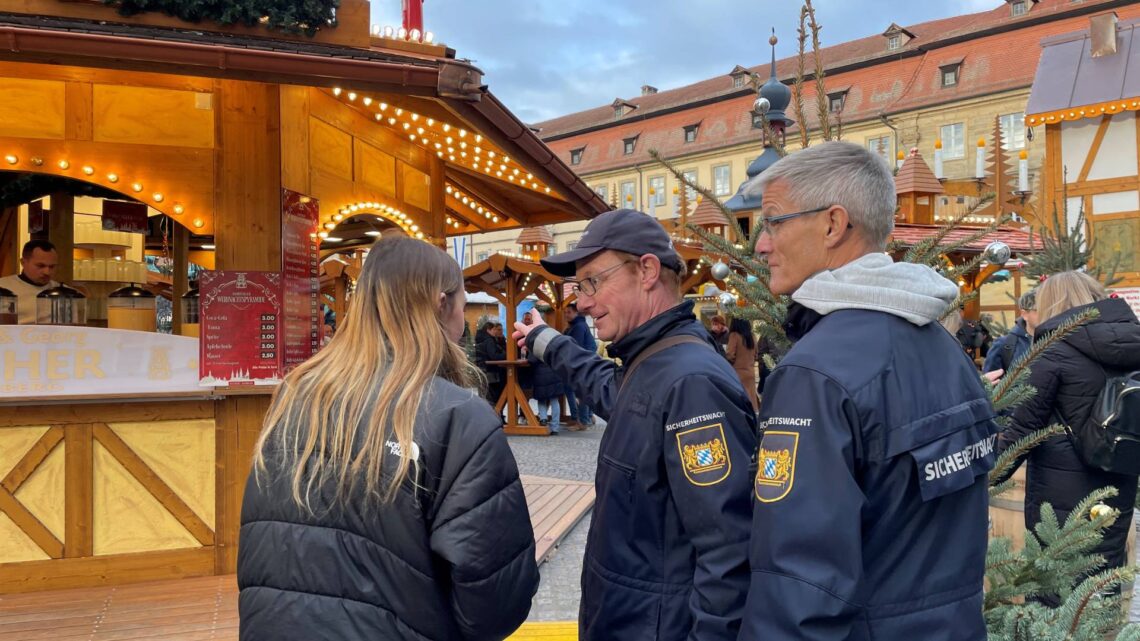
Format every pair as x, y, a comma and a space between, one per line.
109, 490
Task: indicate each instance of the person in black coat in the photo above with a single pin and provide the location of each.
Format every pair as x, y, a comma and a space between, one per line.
1068, 377
385, 502
491, 346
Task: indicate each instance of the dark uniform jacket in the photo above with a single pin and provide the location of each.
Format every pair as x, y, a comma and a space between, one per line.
453, 560
489, 348
1007, 349
667, 552
579, 330
871, 488
1068, 377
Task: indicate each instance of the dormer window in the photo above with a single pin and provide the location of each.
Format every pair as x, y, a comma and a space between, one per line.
1019, 8
576, 156
836, 100
757, 120
739, 76
897, 37
621, 107
629, 145
949, 74
737, 82
619, 111
691, 133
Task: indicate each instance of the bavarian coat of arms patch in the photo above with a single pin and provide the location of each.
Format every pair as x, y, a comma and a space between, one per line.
776, 471
704, 454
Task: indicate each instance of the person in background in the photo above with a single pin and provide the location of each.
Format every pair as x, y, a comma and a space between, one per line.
1069, 377
719, 330
1009, 348
547, 390
868, 523
491, 346
384, 502
38, 260
579, 331
741, 352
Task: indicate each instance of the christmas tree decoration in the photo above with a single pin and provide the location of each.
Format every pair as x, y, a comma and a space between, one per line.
720, 270
996, 253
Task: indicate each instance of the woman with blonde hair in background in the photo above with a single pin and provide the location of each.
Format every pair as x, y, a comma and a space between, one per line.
384, 501
1069, 377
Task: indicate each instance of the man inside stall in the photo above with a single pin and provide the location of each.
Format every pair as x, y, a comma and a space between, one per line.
38, 260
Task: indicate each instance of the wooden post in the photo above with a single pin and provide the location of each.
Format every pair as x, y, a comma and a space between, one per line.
9, 241
248, 202
437, 226
61, 232
179, 280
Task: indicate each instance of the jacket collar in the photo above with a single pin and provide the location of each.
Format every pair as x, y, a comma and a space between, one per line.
800, 320
657, 327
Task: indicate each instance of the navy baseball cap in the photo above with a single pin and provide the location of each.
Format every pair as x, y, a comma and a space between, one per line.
623, 230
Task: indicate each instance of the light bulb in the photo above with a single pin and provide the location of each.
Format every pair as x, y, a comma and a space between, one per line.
11, 159
199, 223
63, 164
137, 187
157, 197
88, 170
178, 209
113, 177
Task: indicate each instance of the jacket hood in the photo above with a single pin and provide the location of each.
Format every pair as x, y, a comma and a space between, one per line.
876, 282
1112, 339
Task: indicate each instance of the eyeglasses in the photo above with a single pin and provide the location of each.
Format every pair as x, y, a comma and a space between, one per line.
770, 223
589, 286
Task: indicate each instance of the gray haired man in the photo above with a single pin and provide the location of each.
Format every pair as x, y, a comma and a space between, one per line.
870, 494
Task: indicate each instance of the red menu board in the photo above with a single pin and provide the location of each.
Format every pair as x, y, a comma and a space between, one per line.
240, 328
119, 215
300, 257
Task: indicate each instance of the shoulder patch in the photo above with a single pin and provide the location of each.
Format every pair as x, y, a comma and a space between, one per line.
704, 454
777, 469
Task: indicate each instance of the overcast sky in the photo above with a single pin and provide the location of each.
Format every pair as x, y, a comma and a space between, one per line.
546, 58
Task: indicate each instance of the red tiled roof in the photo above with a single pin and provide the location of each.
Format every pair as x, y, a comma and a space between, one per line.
915, 177
1018, 240
992, 62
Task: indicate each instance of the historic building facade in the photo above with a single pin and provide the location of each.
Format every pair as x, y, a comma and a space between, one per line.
949, 80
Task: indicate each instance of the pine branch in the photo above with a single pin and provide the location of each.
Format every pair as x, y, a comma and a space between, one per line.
733, 224
1008, 460
1019, 370
798, 92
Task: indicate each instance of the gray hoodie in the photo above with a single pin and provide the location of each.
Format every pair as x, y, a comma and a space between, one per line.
876, 282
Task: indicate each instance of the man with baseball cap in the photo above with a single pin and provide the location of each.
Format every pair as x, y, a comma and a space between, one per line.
667, 553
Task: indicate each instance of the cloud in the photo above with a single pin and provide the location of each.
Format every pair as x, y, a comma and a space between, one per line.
546, 58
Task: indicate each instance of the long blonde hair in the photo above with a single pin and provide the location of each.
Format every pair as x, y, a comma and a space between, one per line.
333, 416
1064, 291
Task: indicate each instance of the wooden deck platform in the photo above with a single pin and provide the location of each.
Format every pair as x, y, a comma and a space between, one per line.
205, 609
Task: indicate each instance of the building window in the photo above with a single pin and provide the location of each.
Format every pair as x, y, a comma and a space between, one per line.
950, 75
691, 176
576, 156
551, 249
627, 191
482, 256
691, 133
1019, 8
722, 180
836, 101
757, 120
894, 42
619, 111
881, 147
602, 191
738, 81
953, 140
571, 245
657, 191
629, 145
1013, 130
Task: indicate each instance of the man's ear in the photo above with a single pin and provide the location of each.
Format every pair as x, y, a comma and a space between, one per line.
838, 224
649, 270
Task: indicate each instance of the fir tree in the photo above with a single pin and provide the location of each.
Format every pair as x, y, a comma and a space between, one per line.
290, 16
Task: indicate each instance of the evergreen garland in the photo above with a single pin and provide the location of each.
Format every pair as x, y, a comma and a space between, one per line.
289, 16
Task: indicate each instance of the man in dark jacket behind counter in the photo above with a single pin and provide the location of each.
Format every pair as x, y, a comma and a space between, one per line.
870, 514
666, 557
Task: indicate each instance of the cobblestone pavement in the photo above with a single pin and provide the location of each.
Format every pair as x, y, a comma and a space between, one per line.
571, 456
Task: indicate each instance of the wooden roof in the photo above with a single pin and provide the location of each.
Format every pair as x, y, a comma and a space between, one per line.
534, 236
915, 177
707, 214
1017, 239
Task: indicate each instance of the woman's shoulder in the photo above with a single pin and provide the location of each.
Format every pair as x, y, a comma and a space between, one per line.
448, 405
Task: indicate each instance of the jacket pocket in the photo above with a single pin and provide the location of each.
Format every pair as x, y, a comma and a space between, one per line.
950, 449
619, 483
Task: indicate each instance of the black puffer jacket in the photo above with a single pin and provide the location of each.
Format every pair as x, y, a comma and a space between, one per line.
1068, 377
454, 560
489, 348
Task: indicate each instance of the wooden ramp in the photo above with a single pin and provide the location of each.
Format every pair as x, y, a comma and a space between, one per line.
555, 507
205, 609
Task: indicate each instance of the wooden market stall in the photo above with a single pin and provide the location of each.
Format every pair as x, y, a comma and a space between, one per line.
1086, 96
107, 480
510, 281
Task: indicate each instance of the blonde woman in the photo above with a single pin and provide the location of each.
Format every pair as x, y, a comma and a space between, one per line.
384, 501
1068, 377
